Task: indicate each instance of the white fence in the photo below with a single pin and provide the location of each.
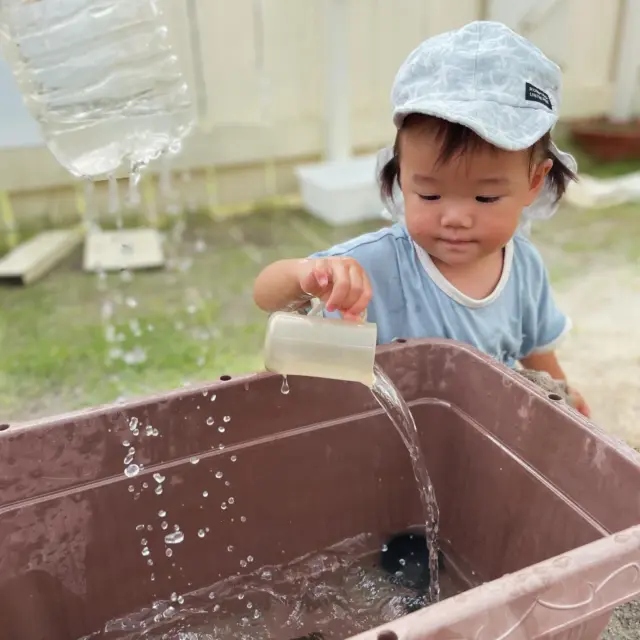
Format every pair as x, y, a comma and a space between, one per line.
258, 70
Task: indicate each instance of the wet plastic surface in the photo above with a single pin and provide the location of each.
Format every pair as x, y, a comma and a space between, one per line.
520, 480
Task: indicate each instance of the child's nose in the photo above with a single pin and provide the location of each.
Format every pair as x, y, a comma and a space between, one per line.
456, 215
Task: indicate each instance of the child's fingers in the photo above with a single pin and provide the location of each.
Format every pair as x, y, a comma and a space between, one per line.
362, 302
316, 279
341, 284
356, 287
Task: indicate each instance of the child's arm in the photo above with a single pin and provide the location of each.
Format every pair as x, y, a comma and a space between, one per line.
548, 361
278, 286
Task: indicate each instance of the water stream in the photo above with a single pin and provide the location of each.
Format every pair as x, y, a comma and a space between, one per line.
399, 413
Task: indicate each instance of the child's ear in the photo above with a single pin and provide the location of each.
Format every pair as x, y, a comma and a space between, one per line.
537, 179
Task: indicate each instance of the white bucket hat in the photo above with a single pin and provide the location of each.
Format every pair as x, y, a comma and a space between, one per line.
489, 79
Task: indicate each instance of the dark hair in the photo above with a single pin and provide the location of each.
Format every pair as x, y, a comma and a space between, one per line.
457, 139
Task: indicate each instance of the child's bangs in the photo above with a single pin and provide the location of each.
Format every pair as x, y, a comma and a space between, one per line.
455, 139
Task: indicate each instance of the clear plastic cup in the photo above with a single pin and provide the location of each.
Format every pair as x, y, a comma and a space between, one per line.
320, 347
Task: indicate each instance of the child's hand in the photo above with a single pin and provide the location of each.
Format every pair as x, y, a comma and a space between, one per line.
341, 283
579, 402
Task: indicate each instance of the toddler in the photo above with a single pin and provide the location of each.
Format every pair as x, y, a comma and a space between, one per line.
472, 161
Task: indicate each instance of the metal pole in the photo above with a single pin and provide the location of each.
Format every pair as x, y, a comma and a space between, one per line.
338, 142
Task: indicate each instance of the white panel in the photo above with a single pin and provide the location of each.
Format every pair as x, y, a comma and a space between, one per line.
228, 47
294, 59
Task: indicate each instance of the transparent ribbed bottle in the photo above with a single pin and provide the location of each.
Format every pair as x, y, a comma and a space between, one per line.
102, 79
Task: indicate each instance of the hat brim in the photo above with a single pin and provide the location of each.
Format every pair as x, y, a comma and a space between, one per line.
504, 126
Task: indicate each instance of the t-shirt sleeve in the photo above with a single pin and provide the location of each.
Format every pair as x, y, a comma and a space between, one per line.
544, 323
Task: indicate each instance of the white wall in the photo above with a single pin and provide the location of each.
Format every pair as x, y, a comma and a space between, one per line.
247, 118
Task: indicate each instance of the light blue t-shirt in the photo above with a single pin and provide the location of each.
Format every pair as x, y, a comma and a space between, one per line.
412, 299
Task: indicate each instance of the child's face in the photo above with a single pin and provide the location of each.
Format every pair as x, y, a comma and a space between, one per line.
470, 206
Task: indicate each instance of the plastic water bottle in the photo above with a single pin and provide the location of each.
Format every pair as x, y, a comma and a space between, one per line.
100, 77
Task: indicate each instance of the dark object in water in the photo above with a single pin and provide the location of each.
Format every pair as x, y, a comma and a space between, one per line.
406, 558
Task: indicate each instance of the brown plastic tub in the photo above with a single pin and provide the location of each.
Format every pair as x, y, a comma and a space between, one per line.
524, 485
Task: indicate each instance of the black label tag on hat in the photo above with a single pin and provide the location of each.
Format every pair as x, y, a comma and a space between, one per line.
533, 94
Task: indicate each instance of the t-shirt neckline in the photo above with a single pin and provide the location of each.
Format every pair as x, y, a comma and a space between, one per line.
455, 294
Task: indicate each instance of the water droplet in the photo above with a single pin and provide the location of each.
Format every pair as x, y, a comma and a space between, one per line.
132, 450
145, 485
220, 446
153, 577
266, 575
249, 558
131, 488
385, 548
149, 430
234, 458
230, 548
243, 564
132, 470
135, 432
169, 553
150, 562
168, 612
143, 542
128, 459
205, 494
180, 600
201, 533
156, 433
212, 596
213, 397
145, 551
205, 393
219, 474
164, 525
402, 562
176, 527
140, 527
241, 596
243, 519
221, 429
210, 421
227, 419
159, 478
174, 597
285, 386
174, 538
149, 527
194, 460
249, 605
231, 500
223, 506
162, 513
133, 423
216, 608
158, 490
126, 443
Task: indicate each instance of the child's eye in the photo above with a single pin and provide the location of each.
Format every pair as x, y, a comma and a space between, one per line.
487, 199
430, 198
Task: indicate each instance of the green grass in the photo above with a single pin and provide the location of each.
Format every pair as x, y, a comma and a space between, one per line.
193, 321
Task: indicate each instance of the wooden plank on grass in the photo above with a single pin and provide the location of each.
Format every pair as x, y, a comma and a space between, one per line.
124, 249
36, 257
